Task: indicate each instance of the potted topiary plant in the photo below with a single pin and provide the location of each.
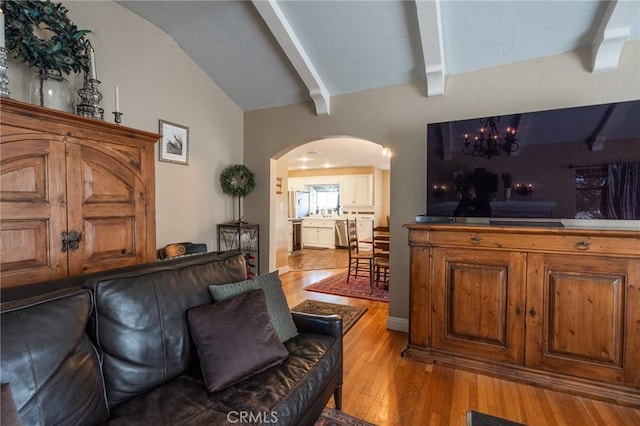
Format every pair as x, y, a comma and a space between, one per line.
40, 34
237, 180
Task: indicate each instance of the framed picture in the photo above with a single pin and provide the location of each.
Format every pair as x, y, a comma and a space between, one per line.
174, 145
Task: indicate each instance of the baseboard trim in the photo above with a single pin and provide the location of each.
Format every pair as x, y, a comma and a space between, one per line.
398, 324
283, 269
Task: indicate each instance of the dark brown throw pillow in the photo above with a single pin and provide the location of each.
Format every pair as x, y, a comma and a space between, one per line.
235, 339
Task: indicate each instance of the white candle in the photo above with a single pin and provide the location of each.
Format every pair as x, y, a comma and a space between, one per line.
2, 25
117, 99
92, 59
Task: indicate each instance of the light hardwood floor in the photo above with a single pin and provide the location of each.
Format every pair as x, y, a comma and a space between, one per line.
383, 388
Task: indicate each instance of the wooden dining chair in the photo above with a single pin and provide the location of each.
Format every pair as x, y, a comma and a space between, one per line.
359, 261
381, 255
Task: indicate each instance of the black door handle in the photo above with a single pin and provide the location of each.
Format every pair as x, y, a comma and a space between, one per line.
70, 240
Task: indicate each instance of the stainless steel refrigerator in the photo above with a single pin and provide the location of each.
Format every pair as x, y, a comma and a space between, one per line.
299, 204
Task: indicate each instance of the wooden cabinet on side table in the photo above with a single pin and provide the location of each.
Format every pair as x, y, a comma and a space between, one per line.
77, 194
554, 307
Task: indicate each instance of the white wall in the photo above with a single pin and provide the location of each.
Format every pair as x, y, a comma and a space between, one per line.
397, 117
157, 80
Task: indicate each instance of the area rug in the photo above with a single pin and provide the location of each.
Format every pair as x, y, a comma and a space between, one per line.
357, 287
349, 314
475, 418
333, 417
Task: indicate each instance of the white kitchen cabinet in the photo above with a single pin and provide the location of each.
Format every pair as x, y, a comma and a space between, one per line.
299, 183
318, 233
356, 190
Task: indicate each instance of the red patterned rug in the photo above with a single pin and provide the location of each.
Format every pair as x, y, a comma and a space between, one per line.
357, 287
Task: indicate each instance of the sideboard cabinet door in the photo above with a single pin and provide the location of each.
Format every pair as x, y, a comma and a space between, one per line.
78, 195
583, 317
478, 303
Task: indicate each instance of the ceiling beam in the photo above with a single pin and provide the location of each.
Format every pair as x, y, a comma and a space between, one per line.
613, 31
430, 24
282, 31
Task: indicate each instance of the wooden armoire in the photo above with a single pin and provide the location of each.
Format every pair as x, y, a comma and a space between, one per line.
77, 195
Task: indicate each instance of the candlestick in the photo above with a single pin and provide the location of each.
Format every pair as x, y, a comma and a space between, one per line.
4, 80
90, 98
117, 117
92, 60
117, 98
2, 25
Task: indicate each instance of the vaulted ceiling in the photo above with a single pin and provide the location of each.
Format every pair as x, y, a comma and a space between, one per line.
267, 53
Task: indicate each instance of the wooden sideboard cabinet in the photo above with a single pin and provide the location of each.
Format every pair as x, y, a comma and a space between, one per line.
553, 307
78, 195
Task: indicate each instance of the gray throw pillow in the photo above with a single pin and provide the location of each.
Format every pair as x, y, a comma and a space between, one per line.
276, 301
235, 339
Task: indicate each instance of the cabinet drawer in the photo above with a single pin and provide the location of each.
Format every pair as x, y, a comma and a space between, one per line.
547, 243
318, 223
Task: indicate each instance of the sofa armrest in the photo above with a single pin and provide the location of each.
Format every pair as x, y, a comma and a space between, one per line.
330, 325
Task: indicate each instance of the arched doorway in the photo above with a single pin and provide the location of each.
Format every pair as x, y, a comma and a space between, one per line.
318, 165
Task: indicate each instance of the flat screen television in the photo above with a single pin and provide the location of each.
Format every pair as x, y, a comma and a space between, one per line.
573, 167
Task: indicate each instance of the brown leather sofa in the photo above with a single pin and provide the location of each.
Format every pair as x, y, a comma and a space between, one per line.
115, 348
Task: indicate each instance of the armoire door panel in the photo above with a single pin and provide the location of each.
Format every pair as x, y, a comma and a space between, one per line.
104, 185
34, 208
111, 237
107, 208
477, 296
585, 324
106, 242
31, 237
24, 179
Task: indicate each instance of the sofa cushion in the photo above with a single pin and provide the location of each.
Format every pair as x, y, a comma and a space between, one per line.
47, 358
140, 319
235, 339
282, 394
279, 311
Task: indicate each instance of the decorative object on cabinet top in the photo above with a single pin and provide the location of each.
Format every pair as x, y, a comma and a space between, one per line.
89, 94
40, 34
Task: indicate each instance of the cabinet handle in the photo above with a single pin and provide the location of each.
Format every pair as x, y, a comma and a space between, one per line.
583, 245
70, 240
532, 312
475, 240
